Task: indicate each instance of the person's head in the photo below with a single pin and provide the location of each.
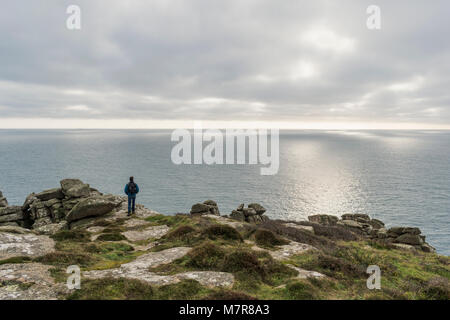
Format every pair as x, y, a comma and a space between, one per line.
131, 179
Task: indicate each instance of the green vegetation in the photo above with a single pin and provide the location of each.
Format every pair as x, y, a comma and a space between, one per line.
266, 238
224, 232
72, 235
342, 256
111, 237
113, 289
15, 260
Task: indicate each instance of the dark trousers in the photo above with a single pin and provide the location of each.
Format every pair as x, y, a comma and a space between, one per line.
131, 203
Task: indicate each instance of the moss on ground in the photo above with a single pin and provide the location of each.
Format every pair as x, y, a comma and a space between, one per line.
266, 238
15, 260
111, 237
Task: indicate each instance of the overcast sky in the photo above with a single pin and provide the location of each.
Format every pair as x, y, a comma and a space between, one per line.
165, 62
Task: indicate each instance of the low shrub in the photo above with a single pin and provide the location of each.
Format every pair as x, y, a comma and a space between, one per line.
111, 237
266, 238
71, 235
205, 256
113, 289
229, 295
180, 233
301, 290
222, 231
60, 258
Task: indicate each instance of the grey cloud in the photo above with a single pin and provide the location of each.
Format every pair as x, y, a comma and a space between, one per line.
249, 58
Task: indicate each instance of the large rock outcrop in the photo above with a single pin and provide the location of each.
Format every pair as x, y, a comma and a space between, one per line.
91, 207
48, 210
252, 214
400, 237
11, 216
207, 207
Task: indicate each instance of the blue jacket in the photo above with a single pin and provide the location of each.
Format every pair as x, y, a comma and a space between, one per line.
131, 194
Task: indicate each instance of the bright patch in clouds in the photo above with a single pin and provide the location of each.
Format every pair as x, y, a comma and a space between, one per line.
326, 39
78, 107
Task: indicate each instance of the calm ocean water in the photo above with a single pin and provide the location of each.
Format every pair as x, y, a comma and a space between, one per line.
402, 178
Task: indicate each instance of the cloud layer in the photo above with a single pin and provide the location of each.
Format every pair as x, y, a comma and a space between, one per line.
226, 60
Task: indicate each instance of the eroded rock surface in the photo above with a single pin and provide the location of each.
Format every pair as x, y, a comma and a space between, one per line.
29, 245
28, 281
138, 269
290, 249
153, 232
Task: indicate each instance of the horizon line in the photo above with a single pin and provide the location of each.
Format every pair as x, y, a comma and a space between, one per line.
151, 124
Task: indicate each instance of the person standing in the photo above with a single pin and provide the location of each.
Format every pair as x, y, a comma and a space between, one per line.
131, 190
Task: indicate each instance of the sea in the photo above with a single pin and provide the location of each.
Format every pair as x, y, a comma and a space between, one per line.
399, 177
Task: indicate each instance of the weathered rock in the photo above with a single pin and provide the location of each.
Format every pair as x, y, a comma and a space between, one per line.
300, 227
51, 228
224, 220
199, 208
131, 223
208, 278
427, 248
50, 194
213, 207
256, 219
207, 207
402, 230
376, 224
3, 201
29, 281
324, 219
249, 212
138, 269
11, 213
304, 274
403, 246
382, 233
30, 245
288, 250
359, 217
92, 206
74, 188
240, 207
258, 208
237, 215
10, 224
408, 238
210, 203
14, 229
351, 224
38, 223
153, 232
28, 201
